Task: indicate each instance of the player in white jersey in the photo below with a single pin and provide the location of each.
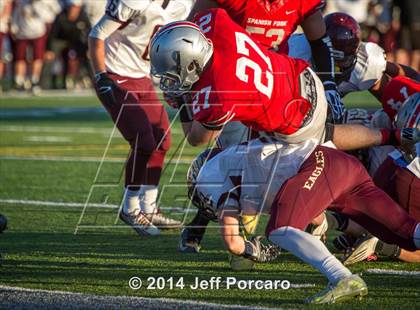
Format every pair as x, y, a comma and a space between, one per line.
361, 65
295, 183
29, 28
5, 12
94, 9
118, 46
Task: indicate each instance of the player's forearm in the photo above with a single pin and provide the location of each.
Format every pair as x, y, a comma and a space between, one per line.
395, 69
321, 46
97, 54
344, 137
232, 239
196, 134
379, 86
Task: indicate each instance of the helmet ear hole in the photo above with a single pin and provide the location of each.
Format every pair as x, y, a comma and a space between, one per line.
191, 66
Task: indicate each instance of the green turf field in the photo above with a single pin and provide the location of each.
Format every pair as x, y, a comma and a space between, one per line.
50, 155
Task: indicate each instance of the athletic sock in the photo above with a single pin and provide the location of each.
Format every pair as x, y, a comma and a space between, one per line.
148, 197
390, 250
131, 201
416, 236
19, 80
35, 80
311, 250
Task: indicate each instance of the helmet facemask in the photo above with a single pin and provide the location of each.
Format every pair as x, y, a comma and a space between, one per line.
179, 54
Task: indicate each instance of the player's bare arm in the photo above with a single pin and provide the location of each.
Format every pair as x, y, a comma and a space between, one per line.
236, 244
96, 41
395, 69
197, 134
103, 29
229, 228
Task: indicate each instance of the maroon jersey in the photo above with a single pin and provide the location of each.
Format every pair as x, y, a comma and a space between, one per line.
246, 82
270, 22
396, 92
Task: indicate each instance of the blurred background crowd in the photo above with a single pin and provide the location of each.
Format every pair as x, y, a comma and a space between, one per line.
43, 43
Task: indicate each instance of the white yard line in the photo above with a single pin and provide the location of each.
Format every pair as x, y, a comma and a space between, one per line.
75, 204
78, 159
57, 129
44, 299
393, 272
107, 131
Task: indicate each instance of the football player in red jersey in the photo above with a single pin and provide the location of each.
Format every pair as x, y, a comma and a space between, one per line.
272, 22
231, 77
395, 92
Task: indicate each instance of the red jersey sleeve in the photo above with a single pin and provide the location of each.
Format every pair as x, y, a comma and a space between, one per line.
208, 110
232, 5
396, 92
309, 7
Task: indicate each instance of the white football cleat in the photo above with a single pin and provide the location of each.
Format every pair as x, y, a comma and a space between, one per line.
363, 248
140, 223
163, 222
346, 289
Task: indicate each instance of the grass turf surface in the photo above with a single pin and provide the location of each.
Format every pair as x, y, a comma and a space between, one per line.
41, 251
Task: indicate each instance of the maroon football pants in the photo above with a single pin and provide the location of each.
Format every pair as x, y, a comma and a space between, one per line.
142, 120
335, 180
402, 185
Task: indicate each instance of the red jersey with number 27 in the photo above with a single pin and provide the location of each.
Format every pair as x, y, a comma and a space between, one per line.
270, 22
246, 82
396, 92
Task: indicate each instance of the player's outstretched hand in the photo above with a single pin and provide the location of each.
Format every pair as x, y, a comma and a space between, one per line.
260, 252
106, 87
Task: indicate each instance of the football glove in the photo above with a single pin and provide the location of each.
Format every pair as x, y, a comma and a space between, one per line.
259, 252
176, 102
105, 88
334, 101
408, 136
173, 101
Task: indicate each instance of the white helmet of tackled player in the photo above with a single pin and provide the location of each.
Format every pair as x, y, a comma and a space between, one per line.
202, 202
408, 116
178, 54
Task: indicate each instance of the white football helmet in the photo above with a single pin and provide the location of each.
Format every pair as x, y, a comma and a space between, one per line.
178, 54
408, 116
